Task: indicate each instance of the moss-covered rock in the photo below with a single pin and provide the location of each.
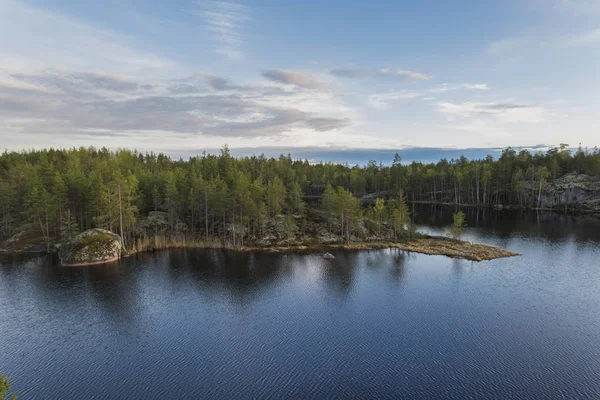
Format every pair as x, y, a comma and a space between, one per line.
26, 239
575, 191
94, 246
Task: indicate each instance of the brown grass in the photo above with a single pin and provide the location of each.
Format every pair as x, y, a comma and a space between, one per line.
431, 245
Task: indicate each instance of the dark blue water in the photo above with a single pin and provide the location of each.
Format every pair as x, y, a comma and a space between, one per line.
380, 324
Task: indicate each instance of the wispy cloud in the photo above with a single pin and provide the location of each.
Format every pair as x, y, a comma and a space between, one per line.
61, 101
384, 73
517, 47
297, 78
383, 100
586, 38
225, 21
446, 87
42, 39
63, 80
200, 82
505, 46
7, 83
504, 111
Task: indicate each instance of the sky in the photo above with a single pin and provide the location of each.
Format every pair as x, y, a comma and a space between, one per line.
183, 76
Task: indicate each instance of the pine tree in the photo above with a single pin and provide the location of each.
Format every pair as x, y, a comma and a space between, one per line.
275, 196
380, 211
458, 223
400, 215
69, 227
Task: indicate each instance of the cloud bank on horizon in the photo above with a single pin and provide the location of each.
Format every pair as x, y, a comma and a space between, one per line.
197, 74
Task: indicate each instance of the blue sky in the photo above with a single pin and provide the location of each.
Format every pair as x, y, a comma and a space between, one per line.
181, 76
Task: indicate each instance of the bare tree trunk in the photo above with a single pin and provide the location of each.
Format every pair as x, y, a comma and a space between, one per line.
342, 221
121, 218
241, 222
60, 222
455, 194
206, 211
46, 239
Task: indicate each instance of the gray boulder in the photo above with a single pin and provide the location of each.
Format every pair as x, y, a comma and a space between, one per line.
577, 191
94, 246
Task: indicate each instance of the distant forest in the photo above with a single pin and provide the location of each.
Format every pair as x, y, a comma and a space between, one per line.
220, 197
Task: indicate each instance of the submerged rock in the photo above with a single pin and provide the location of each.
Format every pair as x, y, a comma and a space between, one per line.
328, 256
95, 246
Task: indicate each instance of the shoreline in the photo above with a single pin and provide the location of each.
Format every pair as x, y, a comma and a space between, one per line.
570, 210
428, 245
87, 264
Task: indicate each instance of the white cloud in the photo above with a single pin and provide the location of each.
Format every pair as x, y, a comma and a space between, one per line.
297, 78
446, 87
505, 46
478, 86
383, 100
516, 48
505, 112
586, 38
7, 82
382, 73
404, 75
65, 81
106, 105
35, 38
225, 21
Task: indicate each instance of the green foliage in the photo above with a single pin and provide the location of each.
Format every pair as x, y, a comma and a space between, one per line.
5, 388
63, 192
400, 215
68, 227
379, 213
275, 196
342, 210
458, 223
290, 227
295, 203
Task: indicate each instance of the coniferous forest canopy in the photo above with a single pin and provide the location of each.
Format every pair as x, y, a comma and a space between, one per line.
218, 197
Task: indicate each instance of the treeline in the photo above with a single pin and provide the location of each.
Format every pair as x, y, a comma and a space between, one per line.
220, 197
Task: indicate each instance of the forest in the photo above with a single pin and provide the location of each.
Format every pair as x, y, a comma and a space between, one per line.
233, 200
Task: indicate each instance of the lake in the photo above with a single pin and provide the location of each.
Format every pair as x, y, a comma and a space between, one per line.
378, 324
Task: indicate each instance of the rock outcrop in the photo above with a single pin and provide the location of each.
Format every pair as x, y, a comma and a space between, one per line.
157, 223
575, 191
94, 246
26, 239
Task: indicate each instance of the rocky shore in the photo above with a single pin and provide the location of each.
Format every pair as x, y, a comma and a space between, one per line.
101, 247
94, 246
98, 246
430, 245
